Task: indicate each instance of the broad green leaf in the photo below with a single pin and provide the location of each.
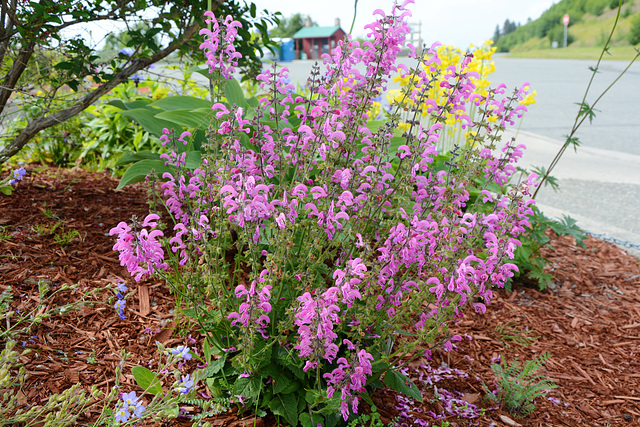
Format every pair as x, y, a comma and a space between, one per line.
312, 420
138, 171
146, 118
146, 379
138, 103
333, 419
214, 367
286, 406
127, 158
375, 125
187, 118
402, 384
117, 103
249, 388
201, 69
253, 102
284, 385
181, 102
233, 93
194, 158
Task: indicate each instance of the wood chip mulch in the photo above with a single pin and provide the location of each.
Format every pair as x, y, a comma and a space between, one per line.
589, 322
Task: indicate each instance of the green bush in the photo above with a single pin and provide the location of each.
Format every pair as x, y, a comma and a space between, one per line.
557, 34
596, 7
634, 31
613, 4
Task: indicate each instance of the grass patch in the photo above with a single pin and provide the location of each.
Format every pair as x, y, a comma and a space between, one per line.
618, 53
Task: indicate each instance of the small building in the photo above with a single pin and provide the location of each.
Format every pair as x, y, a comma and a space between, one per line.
312, 42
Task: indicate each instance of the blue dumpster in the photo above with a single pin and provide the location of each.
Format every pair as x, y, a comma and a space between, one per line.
287, 50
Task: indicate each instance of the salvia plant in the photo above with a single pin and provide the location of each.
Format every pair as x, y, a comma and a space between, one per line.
319, 250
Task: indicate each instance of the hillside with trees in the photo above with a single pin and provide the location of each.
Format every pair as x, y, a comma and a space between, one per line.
590, 21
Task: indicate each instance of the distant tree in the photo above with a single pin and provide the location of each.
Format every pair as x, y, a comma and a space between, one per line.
51, 67
596, 7
496, 34
287, 27
508, 27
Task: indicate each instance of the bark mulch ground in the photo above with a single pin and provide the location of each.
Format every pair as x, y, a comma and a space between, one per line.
54, 231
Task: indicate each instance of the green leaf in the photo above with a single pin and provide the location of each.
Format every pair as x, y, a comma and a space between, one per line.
146, 118
181, 102
206, 349
137, 172
138, 103
311, 420
127, 158
249, 388
118, 104
202, 69
286, 406
188, 118
214, 367
233, 93
284, 385
193, 160
402, 384
147, 380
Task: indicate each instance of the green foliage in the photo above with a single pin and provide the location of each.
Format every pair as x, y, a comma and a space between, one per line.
634, 31
287, 27
64, 238
528, 258
401, 383
597, 7
146, 379
613, 4
178, 114
53, 74
548, 24
509, 333
367, 420
518, 386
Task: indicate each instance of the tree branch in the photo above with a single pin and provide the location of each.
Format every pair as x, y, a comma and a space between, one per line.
12, 77
44, 122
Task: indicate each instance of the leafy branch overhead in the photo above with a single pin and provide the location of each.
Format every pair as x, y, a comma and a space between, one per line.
51, 73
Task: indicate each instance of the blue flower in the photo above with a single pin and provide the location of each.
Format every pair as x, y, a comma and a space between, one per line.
129, 399
182, 352
17, 175
122, 415
119, 306
138, 410
127, 51
122, 287
186, 385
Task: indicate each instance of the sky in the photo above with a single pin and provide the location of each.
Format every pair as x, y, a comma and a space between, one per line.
453, 22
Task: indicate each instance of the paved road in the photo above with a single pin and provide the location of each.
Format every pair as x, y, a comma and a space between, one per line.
561, 83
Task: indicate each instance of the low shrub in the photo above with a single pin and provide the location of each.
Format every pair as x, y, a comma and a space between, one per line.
312, 240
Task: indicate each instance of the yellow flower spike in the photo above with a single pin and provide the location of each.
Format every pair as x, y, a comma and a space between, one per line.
529, 99
404, 127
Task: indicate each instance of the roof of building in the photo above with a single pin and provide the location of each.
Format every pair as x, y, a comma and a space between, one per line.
315, 32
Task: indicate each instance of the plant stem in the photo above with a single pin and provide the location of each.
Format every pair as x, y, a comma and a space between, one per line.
578, 122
